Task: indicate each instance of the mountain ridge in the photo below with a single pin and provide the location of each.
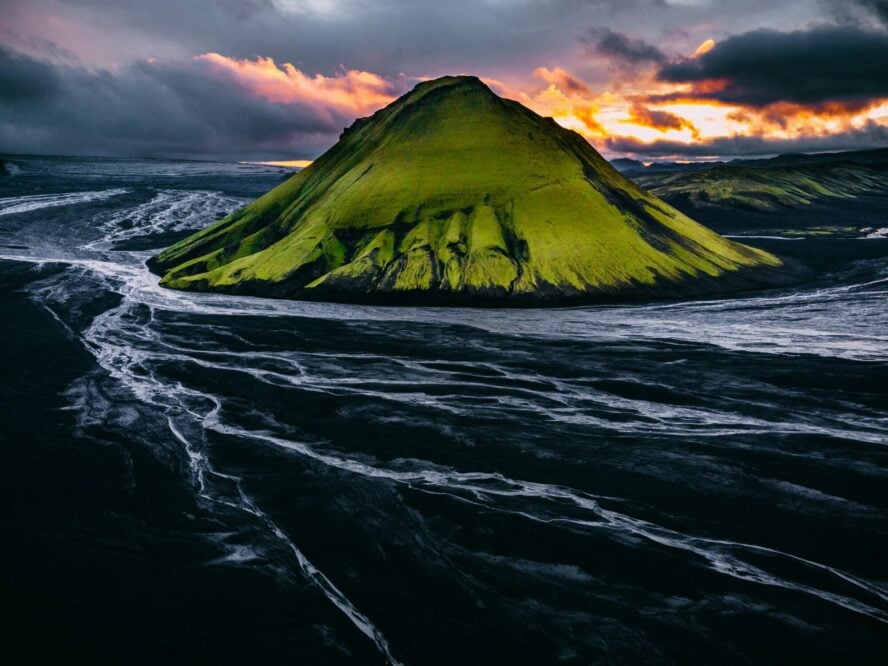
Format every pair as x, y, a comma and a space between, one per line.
765, 189
875, 158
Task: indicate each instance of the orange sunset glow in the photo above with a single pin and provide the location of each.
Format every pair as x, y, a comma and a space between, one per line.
600, 115
642, 109
705, 47
350, 90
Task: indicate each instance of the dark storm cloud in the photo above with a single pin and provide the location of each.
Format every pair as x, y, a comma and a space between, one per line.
843, 64
24, 80
620, 47
855, 10
490, 37
872, 135
97, 93
177, 109
244, 9
877, 7
385, 36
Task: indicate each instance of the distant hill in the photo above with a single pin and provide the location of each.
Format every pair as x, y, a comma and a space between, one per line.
876, 158
786, 181
766, 188
634, 168
453, 195
628, 166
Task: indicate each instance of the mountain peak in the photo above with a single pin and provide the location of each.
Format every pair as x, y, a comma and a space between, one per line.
453, 80
452, 194
443, 88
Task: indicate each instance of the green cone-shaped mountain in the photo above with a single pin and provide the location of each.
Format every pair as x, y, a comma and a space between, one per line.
453, 195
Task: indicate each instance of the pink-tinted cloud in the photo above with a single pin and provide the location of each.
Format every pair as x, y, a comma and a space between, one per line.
660, 120
563, 80
348, 92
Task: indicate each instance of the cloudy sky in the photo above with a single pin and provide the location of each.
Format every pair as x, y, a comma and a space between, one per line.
279, 79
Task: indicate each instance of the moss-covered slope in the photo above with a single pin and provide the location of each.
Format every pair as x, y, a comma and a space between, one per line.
766, 188
453, 195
